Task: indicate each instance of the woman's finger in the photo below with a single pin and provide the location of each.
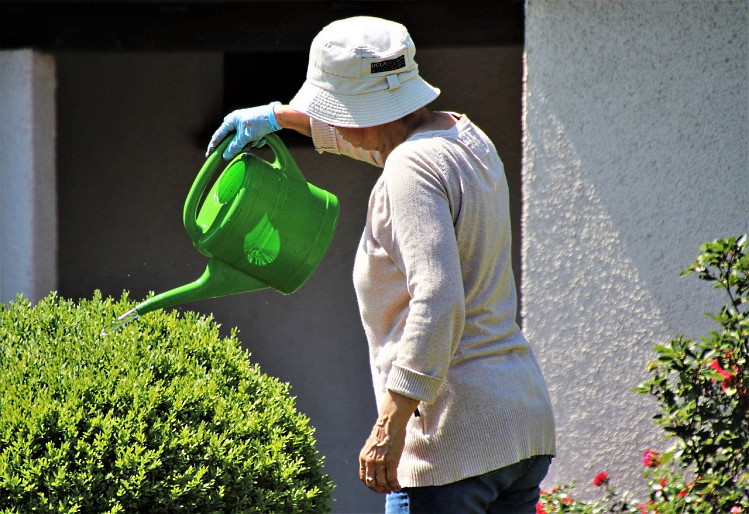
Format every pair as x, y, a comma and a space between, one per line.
219, 136
380, 477
391, 473
366, 471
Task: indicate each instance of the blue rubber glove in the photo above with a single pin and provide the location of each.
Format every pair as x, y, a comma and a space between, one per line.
251, 126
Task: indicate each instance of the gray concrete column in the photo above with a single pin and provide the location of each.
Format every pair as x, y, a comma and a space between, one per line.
28, 204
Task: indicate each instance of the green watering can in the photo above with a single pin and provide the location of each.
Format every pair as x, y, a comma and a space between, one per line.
262, 225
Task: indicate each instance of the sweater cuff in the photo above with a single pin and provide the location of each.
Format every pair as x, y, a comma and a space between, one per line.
413, 384
323, 137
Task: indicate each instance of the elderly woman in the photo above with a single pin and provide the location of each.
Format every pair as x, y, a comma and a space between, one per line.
465, 423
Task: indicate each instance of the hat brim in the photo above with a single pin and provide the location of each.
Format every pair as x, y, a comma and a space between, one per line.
363, 110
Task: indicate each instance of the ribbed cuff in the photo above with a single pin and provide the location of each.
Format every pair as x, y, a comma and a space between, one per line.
413, 384
323, 137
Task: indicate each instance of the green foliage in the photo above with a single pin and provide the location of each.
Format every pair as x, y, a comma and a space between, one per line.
163, 415
702, 389
701, 386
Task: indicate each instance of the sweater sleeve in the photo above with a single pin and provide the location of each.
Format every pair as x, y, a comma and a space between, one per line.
423, 245
328, 139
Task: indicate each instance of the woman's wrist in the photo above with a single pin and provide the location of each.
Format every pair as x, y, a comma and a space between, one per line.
395, 412
289, 118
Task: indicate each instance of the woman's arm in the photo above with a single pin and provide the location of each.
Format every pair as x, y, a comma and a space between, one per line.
288, 118
325, 137
381, 454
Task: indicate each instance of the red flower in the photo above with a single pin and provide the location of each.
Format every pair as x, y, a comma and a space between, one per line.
646, 507
736, 510
567, 500
727, 375
600, 479
683, 493
651, 458
663, 482
540, 508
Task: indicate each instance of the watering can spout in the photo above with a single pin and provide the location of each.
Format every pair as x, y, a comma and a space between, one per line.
218, 279
260, 223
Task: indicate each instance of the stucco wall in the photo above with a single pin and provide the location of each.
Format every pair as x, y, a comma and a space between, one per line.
635, 152
28, 237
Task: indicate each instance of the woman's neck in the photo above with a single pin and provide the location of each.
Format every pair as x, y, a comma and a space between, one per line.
423, 120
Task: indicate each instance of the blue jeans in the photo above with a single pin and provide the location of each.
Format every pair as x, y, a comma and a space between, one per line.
513, 489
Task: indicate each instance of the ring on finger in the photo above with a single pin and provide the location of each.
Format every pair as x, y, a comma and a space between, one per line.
369, 479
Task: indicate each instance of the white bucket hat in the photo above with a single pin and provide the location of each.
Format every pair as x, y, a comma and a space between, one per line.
362, 73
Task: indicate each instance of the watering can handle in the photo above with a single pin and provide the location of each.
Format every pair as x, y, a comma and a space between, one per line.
190, 212
284, 162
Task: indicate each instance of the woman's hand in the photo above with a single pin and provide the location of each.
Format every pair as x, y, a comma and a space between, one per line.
381, 454
254, 123
250, 126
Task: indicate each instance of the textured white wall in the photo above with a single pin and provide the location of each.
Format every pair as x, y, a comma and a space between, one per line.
635, 152
28, 207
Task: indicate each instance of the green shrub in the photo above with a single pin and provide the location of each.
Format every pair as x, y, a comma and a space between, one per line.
163, 415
